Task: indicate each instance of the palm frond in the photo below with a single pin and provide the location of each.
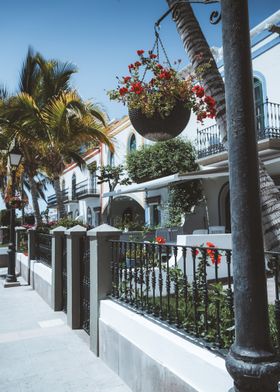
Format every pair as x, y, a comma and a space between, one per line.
29, 75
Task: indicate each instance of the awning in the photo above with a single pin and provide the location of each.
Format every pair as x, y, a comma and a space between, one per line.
170, 180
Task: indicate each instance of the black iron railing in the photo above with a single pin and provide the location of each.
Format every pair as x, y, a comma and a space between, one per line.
52, 200
209, 141
43, 248
64, 193
85, 284
189, 289
83, 188
22, 243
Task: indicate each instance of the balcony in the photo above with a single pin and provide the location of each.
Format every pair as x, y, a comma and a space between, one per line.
209, 141
52, 202
84, 189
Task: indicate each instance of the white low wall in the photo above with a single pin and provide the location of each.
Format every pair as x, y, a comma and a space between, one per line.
40, 276
150, 358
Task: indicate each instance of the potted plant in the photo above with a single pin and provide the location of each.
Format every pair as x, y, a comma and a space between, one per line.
15, 202
159, 109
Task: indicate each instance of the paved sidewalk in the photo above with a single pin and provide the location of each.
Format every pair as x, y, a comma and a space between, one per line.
40, 353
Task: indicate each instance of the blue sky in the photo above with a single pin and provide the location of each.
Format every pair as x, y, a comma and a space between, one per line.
99, 36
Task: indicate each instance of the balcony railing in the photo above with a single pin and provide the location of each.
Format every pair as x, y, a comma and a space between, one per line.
209, 141
83, 189
52, 199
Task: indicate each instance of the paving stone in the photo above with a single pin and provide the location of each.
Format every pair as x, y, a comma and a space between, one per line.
40, 353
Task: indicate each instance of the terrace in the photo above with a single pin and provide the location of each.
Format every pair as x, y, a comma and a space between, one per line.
209, 141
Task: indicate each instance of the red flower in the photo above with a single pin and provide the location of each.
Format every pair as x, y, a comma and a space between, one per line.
136, 88
210, 101
153, 56
131, 66
198, 90
137, 64
126, 79
165, 75
159, 66
139, 52
123, 91
201, 116
215, 257
160, 240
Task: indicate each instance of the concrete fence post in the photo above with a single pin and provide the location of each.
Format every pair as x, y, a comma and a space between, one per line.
19, 230
57, 249
100, 275
74, 236
31, 251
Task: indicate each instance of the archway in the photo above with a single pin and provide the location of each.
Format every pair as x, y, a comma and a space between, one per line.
125, 213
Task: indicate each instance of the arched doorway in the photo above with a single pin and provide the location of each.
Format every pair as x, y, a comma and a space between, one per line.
125, 213
224, 207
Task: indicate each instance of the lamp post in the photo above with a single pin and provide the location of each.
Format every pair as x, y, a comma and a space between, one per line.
14, 159
251, 360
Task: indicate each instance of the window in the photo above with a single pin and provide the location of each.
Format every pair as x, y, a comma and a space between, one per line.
63, 185
258, 91
89, 216
92, 183
74, 187
76, 214
132, 143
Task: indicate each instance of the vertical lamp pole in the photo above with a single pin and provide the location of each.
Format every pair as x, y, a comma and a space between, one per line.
251, 360
14, 159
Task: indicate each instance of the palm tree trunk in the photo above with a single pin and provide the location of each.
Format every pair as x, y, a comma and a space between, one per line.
33, 191
61, 213
200, 54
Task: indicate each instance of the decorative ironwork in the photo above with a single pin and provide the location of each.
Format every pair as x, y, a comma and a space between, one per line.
215, 17
83, 188
209, 141
85, 284
43, 248
64, 272
187, 288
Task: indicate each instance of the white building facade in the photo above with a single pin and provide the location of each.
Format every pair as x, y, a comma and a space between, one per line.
147, 202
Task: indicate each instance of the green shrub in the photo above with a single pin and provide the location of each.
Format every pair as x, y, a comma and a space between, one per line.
163, 159
4, 217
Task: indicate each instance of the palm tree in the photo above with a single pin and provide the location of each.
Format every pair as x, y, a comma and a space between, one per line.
199, 53
69, 123
49, 121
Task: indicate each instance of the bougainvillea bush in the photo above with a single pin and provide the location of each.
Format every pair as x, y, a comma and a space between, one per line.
164, 88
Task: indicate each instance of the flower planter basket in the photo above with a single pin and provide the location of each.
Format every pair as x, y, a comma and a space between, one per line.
158, 128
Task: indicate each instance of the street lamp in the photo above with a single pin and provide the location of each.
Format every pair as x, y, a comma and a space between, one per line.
14, 159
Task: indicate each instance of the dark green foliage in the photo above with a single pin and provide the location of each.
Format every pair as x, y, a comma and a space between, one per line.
161, 159
4, 217
182, 198
112, 175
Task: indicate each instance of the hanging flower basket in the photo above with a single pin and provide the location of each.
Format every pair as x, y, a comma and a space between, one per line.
15, 202
159, 109
157, 127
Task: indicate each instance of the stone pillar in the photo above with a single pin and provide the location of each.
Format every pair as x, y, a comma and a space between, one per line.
31, 251
57, 249
19, 230
73, 275
100, 275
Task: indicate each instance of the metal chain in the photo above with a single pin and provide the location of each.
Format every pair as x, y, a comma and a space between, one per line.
156, 46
